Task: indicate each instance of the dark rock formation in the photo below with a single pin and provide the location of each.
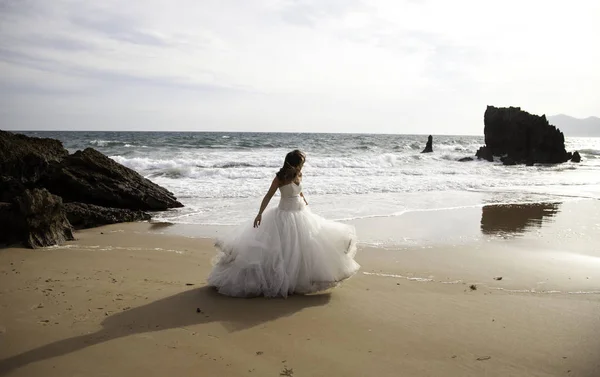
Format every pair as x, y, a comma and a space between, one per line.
576, 157
26, 158
465, 159
36, 218
508, 161
83, 216
7, 222
90, 177
485, 153
10, 188
429, 145
96, 191
523, 137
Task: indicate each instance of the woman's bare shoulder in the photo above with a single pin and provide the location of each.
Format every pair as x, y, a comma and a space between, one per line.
277, 182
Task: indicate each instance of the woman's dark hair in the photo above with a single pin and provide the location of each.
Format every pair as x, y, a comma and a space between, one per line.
291, 166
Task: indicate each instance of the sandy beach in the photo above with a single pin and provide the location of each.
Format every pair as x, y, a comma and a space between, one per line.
513, 292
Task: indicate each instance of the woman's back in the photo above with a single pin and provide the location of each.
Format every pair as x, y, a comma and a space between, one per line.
290, 190
290, 197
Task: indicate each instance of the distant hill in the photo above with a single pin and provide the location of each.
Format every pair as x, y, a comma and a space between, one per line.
576, 127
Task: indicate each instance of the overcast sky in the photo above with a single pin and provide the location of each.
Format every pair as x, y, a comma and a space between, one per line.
385, 66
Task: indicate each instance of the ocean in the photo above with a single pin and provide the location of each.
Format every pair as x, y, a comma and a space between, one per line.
222, 177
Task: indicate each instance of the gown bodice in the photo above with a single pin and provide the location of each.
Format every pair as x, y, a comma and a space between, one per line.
290, 190
290, 197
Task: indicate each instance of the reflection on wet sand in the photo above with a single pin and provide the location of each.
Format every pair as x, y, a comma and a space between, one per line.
158, 225
504, 219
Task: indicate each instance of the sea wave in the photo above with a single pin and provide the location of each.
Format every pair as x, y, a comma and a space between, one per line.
322, 165
109, 143
230, 165
590, 152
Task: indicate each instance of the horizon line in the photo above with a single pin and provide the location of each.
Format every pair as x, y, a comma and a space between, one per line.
247, 132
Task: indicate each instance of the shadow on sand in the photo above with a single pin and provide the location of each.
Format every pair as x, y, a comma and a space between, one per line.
175, 311
515, 219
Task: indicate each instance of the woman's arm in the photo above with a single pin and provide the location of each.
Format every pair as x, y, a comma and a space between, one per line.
266, 200
302, 195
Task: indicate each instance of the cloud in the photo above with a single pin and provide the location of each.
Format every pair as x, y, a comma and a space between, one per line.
302, 65
116, 27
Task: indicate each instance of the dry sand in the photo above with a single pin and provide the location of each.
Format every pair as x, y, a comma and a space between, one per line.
123, 300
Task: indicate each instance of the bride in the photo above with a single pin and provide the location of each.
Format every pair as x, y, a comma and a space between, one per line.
288, 250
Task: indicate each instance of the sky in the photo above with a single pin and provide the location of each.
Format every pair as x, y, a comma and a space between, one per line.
378, 66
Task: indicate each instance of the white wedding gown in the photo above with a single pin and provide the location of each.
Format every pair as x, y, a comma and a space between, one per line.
292, 251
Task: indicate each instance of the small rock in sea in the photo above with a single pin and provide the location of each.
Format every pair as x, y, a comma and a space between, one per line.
397, 283
40, 306
198, 310
484, 358
101, 232
473, 287
498, 278
189, 283
258, 353
465, 159
428, 145
454, 356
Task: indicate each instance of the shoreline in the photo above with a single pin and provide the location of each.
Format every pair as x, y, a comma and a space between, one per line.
470, 222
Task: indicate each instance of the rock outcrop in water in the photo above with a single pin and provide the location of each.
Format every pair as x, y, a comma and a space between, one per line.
429, 145
44, 191
519, 137
485, 153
